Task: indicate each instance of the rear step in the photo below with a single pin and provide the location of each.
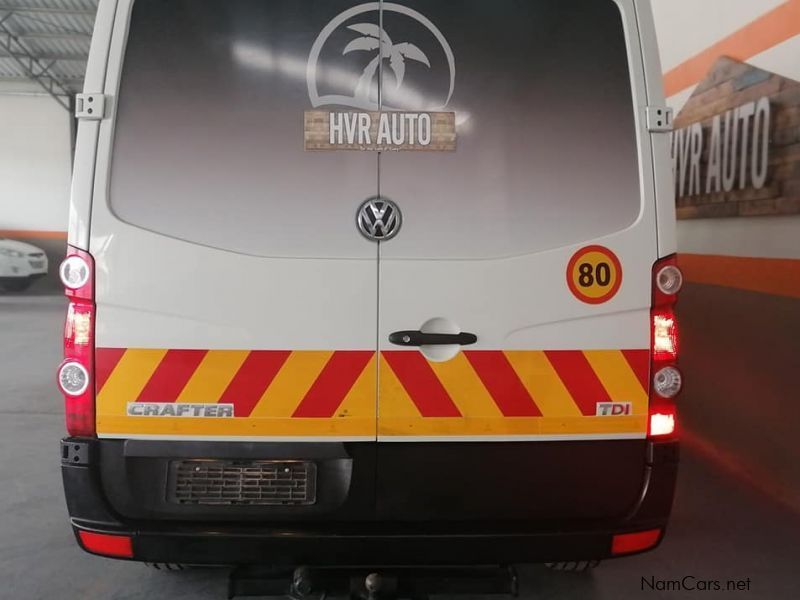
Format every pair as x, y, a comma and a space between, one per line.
361, 583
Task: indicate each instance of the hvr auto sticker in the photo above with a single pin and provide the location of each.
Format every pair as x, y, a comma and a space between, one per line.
416, 122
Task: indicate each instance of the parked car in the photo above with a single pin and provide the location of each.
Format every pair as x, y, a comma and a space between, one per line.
20, 265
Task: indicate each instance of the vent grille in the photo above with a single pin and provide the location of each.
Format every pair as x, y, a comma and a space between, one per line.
257, 483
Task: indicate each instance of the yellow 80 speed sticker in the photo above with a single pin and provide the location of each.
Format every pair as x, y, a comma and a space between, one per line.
594, 274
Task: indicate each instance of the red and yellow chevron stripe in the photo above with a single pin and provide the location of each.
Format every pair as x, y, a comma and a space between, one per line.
332, 394
512, 393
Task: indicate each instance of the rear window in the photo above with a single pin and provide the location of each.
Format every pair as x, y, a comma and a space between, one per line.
209, 133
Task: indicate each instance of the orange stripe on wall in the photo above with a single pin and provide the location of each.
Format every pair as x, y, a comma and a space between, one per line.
777, 276
768, 30
30, 233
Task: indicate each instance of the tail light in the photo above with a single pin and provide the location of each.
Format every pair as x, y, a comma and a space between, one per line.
666, 379
105, 544
627, 543
662, 421
665, 335
76, 372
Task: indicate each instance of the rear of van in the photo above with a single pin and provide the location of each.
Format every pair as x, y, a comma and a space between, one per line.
371, 283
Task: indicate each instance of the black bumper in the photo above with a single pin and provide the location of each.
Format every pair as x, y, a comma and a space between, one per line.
290, 547
373, 541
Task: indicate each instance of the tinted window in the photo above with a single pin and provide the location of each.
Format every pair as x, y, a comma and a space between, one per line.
209, 133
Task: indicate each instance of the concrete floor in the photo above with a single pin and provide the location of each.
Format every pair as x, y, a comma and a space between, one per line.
723, 527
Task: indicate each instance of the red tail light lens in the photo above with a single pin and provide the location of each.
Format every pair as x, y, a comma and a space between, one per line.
120, 546
665, 335
666, 379
626, 543
76, 372
78, 330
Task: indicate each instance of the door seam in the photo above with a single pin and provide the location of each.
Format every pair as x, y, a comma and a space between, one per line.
378, 248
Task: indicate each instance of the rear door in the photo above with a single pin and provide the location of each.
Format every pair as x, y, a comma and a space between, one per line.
534, 232
528, 241
235, 297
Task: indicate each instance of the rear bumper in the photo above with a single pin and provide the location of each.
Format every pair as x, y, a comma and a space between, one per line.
370, 541
347, 547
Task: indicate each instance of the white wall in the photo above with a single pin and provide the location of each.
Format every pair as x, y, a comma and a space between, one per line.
34, 163
758, 237
686, 28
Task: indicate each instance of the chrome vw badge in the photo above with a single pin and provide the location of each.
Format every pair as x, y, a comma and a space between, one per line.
379, 219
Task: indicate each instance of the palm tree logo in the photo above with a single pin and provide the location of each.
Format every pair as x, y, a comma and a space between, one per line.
374, 38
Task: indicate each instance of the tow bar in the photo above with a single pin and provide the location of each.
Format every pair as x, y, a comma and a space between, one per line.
357, 583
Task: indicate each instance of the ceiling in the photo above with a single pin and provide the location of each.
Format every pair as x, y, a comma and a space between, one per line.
44, 45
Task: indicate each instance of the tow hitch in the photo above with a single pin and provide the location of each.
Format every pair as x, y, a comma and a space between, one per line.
361, 583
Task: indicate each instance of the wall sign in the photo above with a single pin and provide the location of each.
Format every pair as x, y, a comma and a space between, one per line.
736, 145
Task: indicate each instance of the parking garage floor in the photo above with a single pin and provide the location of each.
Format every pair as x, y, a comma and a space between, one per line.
723, 527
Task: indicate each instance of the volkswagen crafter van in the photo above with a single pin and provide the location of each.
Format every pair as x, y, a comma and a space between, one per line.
370, 283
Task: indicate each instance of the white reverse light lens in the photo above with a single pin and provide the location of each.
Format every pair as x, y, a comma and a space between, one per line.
667, 382
74, 272
73, 378
669, 279
662, 424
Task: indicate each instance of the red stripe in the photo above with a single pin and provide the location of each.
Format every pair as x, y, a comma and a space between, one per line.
639, 360
503, 383
421, 383
579, 378
171, 375
252, 380
333, 383
105, 361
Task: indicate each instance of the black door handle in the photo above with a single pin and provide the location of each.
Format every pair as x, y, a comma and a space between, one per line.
418, 338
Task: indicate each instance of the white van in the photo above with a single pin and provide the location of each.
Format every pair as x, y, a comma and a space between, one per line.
371, 283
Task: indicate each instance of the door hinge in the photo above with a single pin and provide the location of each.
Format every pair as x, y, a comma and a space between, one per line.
90, 106
659, 119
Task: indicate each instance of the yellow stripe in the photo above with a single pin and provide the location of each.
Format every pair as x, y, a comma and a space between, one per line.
618, 378
435, 426
465, 387
291, 384
360, 400
444, 426
543, 383
212, 376
394, 401
129, 377
231, 428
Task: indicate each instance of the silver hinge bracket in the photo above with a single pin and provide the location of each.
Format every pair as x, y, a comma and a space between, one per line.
659, 119
90, 106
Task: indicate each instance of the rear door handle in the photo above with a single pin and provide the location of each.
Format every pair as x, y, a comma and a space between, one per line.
418, 338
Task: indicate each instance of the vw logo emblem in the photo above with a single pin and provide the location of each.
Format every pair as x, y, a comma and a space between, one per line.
379, 219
